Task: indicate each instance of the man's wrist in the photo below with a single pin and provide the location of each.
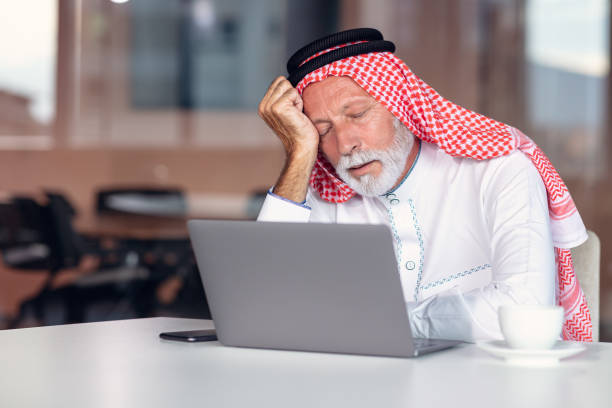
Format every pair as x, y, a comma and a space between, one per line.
293, 181
290, 192
301, 204
302, 157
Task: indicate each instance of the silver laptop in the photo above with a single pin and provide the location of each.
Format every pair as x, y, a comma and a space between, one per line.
310, 287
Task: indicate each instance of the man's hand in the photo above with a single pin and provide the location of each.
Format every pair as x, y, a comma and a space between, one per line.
281, 109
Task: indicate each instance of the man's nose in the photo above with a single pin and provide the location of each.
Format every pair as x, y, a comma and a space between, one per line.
348, 139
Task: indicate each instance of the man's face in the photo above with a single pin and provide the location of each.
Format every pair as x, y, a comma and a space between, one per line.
360, 137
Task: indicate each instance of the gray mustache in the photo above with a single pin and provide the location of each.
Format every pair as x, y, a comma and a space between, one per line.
358, 159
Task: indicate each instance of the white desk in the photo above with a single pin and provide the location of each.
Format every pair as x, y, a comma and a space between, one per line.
125, 364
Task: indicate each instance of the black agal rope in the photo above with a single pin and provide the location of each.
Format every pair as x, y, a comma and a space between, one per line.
374, 43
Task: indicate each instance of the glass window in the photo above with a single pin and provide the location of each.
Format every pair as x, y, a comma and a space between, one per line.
187, 72
28, 45
567, 71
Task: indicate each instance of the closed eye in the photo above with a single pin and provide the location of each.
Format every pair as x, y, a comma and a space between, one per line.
359, 114
325, 131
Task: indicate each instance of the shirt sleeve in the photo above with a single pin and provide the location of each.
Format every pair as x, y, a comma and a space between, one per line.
279, 209
515, 208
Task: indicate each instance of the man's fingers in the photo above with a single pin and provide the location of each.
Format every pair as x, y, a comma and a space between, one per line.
276, 81
278, 92
265, 101
294, 96
283, 99
281, 109
286, 102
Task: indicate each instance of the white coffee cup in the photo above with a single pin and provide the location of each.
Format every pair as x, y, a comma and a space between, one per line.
534, 327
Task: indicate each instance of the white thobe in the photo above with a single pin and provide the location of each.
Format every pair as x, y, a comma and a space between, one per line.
469, 236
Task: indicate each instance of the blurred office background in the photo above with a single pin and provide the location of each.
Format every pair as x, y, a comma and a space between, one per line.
120, 119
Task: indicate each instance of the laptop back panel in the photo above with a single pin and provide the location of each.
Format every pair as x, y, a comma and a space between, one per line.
313, 287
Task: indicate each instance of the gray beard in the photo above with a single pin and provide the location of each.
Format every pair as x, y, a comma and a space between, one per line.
393, 160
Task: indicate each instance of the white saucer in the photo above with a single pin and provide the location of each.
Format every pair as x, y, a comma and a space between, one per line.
530, 357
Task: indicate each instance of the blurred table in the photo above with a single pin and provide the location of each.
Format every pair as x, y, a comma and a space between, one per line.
125, 364
128, 226
151, 226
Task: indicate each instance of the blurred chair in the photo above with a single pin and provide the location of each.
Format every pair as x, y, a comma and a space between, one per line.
142, 201
68, 246
40, 237
586, 259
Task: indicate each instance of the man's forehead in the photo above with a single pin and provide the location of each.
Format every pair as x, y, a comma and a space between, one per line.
340, 82
342, 89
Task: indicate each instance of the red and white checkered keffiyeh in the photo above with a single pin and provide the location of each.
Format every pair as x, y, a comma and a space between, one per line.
462, 133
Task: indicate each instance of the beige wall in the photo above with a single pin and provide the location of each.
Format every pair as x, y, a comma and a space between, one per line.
80, 172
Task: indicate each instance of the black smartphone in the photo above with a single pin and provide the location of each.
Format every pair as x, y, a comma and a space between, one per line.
191, 336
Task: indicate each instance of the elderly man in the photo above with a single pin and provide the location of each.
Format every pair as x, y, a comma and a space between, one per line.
479, 216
